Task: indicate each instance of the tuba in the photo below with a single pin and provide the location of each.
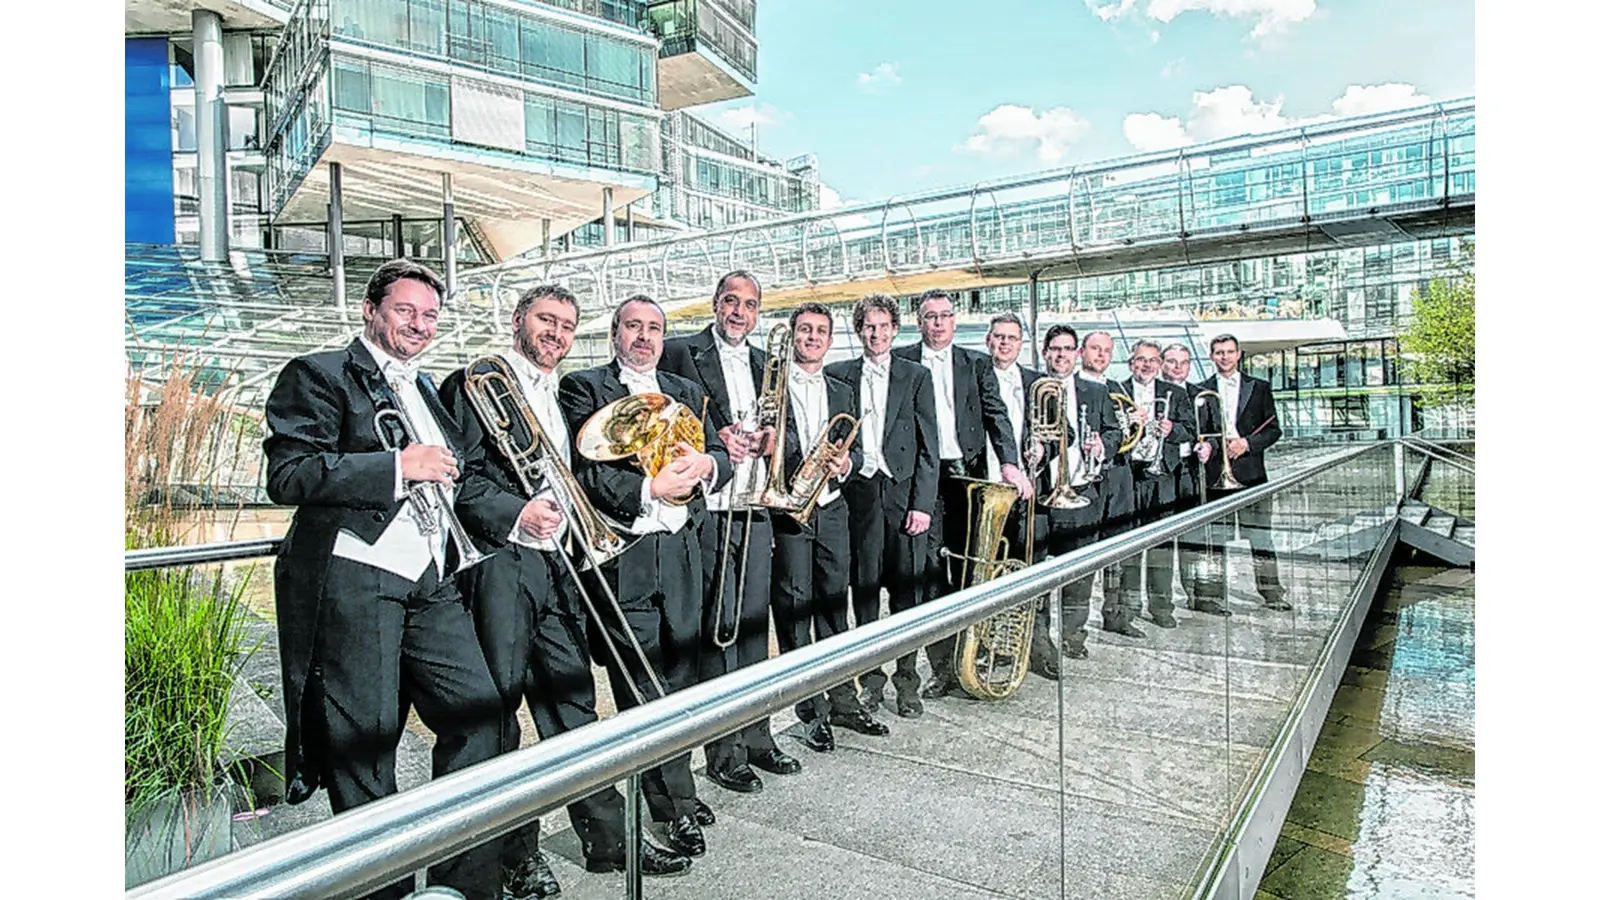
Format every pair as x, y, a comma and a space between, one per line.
1047, 423
991, 657
1226, 482
646, 427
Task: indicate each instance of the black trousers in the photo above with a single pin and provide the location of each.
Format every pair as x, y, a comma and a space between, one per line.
383, 646
811, 593
530, 623
884, 556
1121, 514
951, 518
748, 610
657, 584
1255, 523
1154, 498
1069, 530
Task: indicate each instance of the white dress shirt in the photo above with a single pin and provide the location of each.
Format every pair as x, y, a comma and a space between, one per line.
944, 393
539, 387
808, 401
874, 410
736, 374
1010, 379
1228, 387
402, 548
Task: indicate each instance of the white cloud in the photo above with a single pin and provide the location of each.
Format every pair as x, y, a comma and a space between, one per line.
1234, 110
1269, 16
1362, 99
883, 75
1009, 129
828, 198
738, 119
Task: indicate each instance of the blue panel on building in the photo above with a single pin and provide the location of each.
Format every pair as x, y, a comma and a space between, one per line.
148, 143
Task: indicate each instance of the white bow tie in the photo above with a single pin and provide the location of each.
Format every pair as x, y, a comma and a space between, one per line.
802, 378
632, 378
938, 356
401, 372
875, 370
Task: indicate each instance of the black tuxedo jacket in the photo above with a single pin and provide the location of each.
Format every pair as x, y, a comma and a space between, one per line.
491, 497
613, 487
1094, 404
910, 425
841, 399
695, 357
980, 412
324, 457
1180, 410
1257, 423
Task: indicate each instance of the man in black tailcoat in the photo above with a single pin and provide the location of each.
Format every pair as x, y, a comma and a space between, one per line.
369, 620
526, 605
969, 416
657, 580
891, 502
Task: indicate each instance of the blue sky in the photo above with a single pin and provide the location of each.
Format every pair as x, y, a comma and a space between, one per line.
897, 96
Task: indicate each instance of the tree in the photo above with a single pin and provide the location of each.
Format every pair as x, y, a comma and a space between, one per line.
1439, 348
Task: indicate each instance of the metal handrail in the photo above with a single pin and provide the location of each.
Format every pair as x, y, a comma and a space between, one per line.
1423, 448
198, 554
383, 841
1436, 447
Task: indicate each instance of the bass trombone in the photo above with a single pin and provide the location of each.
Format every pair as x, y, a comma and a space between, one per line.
491, 388
1226, 482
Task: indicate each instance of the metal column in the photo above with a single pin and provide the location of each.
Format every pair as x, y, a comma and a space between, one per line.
336, 232
628, 217
449, 231
1033, 317
544, 238
607, 216
397, 226
211, 155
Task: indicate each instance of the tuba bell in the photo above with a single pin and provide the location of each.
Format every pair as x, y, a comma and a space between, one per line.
991, 657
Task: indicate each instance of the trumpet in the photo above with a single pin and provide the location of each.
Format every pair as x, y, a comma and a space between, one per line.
1149, 446
1226, 482
1093, 466
1047, 423
812, 476
433, 507
491, 388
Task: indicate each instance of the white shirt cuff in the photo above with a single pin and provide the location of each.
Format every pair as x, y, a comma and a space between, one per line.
399, 482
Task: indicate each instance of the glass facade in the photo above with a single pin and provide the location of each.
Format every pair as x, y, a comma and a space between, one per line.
726, 27
1348, 387
505, 41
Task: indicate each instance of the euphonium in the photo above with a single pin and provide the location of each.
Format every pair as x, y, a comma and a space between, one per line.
431, 505
1047, 424
647, 427
1226, 482
991, 657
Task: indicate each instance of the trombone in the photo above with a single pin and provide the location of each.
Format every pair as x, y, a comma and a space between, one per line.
433, 507
491, 388
1227, 482
1047, 423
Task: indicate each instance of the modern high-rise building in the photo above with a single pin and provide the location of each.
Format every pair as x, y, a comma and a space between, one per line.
470, 129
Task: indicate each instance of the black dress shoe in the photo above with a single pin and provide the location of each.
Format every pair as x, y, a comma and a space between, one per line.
684, 836
1127, 629
1045, 668
703, 814
1075, 651
1164, 620
871, 699
652, 861
775, 761
908, 705
939, 687
859, 722
1211, 607
1276, 601
530, 878
818, 736
739, 778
